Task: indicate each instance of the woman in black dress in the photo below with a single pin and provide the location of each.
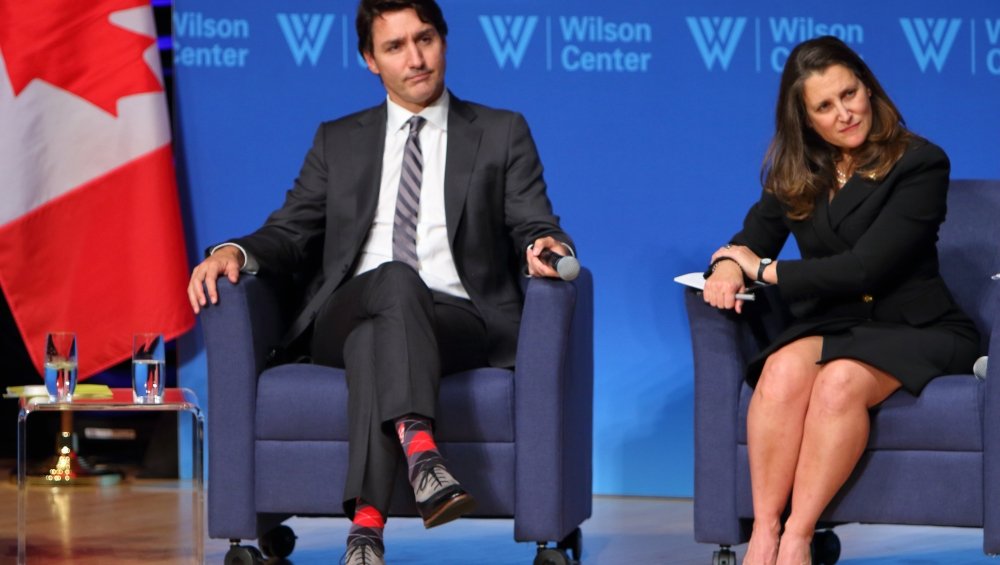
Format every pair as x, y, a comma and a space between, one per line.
864, 198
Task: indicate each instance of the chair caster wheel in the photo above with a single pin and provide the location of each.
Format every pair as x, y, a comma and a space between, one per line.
552, 556
724, 556
825, 548
573, 545
278, 542
243, 555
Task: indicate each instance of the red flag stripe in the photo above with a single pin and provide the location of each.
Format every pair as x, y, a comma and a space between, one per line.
105, 260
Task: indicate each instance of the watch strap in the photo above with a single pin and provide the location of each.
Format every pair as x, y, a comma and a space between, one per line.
760, 270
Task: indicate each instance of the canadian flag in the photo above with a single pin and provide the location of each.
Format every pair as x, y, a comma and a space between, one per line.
91, 239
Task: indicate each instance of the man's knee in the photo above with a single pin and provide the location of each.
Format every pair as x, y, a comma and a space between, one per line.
398, 277
398, 292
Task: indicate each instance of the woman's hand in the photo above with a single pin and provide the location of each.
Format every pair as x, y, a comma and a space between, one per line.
734, 263
723, 284
748, 261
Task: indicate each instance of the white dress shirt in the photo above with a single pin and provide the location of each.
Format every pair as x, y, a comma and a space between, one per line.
437, 266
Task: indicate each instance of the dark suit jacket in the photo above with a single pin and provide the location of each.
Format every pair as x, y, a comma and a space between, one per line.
871, 252
495, 206
868, 277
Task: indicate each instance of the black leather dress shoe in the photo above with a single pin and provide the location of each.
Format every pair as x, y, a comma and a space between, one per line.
440, 499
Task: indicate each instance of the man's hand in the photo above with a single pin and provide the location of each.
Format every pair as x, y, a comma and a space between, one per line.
227, 261
723, 284
536, 267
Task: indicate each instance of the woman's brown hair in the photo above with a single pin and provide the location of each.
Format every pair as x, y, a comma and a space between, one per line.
800, 165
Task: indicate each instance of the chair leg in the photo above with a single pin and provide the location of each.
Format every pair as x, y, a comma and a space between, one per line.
724, 556
551, 555
569, 551
243, 554
825, 548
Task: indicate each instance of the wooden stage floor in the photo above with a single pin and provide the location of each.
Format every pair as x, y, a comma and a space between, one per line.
150, 522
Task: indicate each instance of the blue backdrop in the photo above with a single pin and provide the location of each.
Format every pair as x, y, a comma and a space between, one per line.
651, 119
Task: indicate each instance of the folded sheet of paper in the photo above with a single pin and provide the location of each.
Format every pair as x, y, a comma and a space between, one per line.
82, 391
697, 281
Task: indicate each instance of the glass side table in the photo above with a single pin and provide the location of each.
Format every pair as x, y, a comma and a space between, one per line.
174, 400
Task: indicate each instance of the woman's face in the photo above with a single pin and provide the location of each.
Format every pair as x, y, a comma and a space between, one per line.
838, 107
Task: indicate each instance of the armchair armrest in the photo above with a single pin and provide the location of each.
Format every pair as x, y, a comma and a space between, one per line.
554, 390
991, 431
719, 365
237, 340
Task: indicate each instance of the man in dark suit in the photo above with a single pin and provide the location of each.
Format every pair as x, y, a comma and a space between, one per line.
423, 212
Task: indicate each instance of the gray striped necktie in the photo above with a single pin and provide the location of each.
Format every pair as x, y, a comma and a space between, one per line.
404, 231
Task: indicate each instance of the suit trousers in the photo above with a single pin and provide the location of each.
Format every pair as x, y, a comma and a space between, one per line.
395, 338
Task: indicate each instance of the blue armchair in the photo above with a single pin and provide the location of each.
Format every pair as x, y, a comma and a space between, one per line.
930, 460
520, 440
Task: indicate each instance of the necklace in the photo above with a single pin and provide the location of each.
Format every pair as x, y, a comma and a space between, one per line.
841, 177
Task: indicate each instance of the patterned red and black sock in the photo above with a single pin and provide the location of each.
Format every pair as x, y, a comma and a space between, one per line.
417, 438
367, 526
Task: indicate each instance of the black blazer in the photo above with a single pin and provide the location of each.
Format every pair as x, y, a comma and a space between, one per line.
495, 206
871, 252
868, 278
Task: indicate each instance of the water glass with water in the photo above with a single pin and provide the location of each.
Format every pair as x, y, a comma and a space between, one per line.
60, 365
148, 368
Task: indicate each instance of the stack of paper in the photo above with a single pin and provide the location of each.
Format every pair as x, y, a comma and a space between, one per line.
82, 391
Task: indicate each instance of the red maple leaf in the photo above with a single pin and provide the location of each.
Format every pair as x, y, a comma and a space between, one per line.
73, 45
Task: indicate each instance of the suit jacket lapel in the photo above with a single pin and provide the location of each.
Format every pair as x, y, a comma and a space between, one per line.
359, 177
354, 188
369, 139
856, 191
823, 225
463, 146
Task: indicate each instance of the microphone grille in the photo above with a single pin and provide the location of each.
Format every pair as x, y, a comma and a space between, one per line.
979, 368
568, 268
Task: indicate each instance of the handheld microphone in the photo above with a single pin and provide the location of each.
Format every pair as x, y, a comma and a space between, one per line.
567, 267
979, 368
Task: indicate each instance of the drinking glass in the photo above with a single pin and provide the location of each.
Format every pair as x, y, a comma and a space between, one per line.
148, 364
60, 365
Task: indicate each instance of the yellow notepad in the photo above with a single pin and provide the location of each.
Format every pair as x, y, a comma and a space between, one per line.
82, 391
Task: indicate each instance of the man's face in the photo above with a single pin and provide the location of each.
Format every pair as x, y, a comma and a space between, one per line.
408, 55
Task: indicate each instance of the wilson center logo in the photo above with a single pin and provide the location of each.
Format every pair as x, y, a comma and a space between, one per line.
716, 38
306, 34
931, 39
217, 42
993, 49
508, 36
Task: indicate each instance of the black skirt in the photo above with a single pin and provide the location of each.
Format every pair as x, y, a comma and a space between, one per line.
913, 355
